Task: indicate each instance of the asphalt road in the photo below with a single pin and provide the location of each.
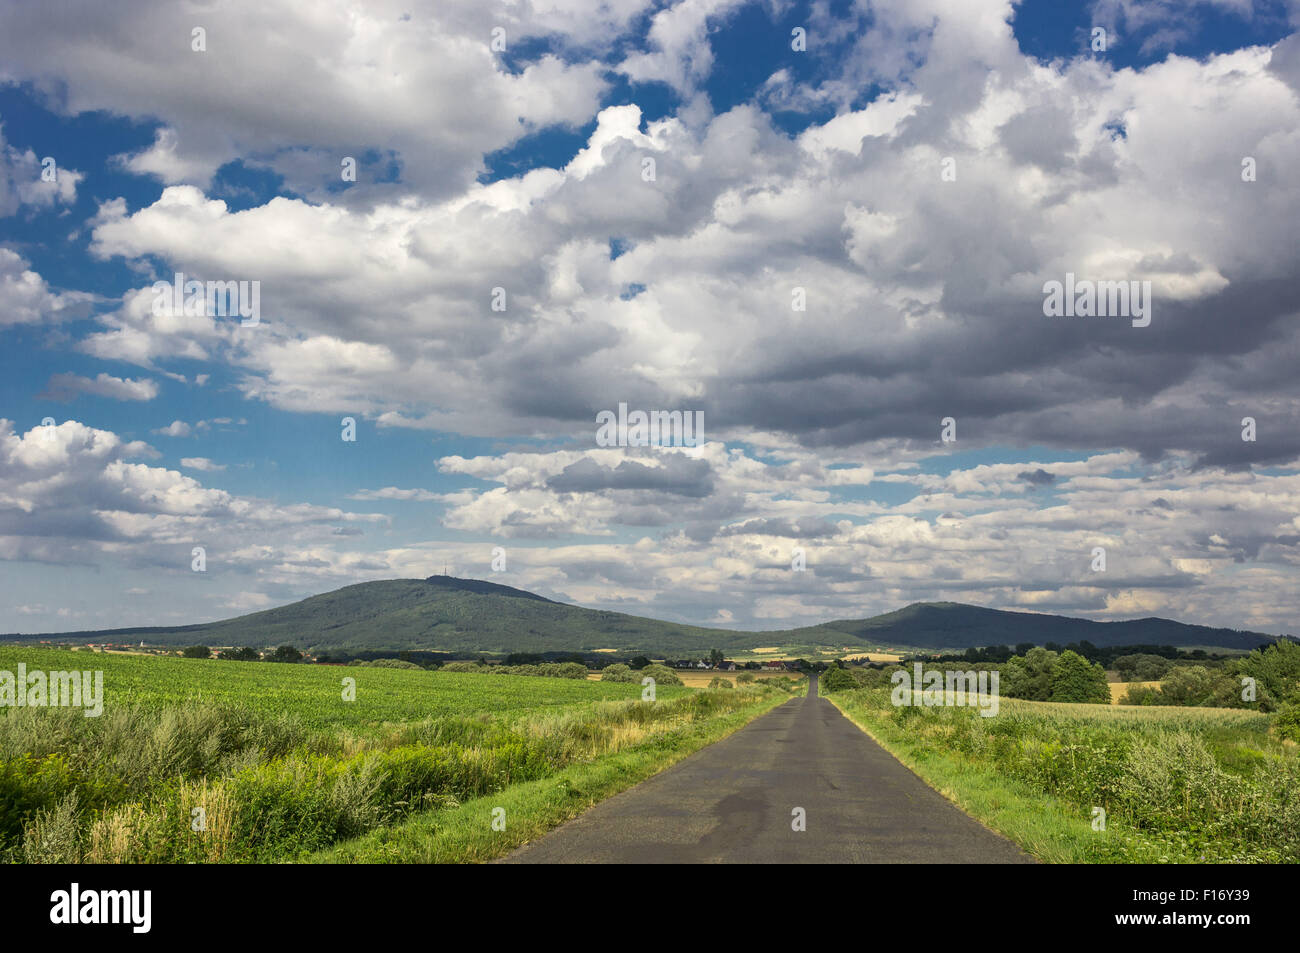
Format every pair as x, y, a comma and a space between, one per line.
732, 802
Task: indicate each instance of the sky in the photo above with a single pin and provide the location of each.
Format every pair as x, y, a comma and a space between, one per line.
827, 228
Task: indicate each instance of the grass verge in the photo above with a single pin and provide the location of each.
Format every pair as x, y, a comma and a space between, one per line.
1177, 786
1041, 826
464, 834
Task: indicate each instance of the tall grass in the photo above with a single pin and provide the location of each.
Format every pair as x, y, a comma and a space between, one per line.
1189, 785
226, 783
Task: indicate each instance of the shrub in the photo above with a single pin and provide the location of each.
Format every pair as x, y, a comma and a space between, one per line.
197, 651
1287, 721
618, 672
1192, 686
28, 786
1029, 676
783, 682
837, 679
1141, 695
719, 682
1276, 670
662, 674
55, 836
1197, 685
543, 670
386, 663
571, 670
1075, 679
1142, 667
868, 677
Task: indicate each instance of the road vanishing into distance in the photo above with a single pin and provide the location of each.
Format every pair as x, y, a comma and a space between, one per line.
734, 802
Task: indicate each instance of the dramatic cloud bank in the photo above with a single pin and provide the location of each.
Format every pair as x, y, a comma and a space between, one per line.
828, 262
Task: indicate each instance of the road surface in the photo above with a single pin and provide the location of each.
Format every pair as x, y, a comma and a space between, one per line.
734, 801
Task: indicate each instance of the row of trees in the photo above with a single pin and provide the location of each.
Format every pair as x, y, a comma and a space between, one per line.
1039, 675
1047, 676
1267, 678
1105, 657
618, 672
284, 653
1142, 667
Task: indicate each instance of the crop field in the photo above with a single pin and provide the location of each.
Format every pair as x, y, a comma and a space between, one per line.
1103, 783
218, 761
879, 654
700, 678
1119, 689
314, 693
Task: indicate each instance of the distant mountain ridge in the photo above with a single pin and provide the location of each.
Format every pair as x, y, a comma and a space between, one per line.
957, 625
448, 614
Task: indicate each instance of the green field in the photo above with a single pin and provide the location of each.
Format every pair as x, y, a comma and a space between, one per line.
313, 694
210, 761
1177, 785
